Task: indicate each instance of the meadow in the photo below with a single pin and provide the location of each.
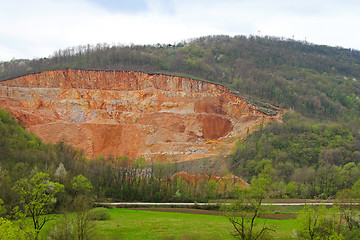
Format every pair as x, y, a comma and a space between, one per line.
141, 224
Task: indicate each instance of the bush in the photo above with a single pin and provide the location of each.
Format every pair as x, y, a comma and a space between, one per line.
63, 229
352, 234
99, 213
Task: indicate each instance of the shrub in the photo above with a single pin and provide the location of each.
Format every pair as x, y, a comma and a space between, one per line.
63, 229
99, 213
319, 223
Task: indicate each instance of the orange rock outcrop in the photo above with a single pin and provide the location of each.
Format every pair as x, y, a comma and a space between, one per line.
128, 113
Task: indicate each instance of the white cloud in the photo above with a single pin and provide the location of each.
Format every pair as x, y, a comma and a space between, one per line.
39, 27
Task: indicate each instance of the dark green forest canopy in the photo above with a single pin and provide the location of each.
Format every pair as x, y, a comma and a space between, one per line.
318, 81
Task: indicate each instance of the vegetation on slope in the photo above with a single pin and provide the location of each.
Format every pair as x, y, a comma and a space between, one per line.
318, 158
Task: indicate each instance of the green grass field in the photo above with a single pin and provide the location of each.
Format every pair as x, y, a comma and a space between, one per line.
138, 224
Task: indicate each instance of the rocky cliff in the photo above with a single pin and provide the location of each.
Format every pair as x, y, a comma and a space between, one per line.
128, 113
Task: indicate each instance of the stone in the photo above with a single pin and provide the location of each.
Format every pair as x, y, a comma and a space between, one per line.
155, 116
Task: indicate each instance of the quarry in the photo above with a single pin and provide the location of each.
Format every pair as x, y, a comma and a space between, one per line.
113, 113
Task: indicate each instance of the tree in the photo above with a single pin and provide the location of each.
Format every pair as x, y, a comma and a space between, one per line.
60, 173
2, 208
242, 214
10, 230
356, 187
82, 219
319, 223
347, 201
81, 185
37, 196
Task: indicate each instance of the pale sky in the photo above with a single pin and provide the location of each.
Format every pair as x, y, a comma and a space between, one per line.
37, 28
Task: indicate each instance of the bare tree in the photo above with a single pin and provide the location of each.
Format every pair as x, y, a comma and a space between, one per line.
242, 214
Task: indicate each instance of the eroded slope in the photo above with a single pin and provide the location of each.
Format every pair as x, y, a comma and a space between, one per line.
126, 113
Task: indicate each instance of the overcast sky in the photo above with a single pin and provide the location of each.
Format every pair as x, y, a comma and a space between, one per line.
36, 28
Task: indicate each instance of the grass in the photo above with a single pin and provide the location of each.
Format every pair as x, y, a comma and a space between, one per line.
134, 224
138, 224
283, 228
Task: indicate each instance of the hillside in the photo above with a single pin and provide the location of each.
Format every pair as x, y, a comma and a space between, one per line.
317, 81
112, 113
319, 159
314, 154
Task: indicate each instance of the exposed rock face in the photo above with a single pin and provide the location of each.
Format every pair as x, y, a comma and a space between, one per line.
127, 113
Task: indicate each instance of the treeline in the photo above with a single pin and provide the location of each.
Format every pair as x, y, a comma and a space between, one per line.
315, 160
23, 155
317, 81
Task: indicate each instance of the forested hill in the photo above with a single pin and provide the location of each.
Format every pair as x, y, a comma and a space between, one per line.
318, 81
